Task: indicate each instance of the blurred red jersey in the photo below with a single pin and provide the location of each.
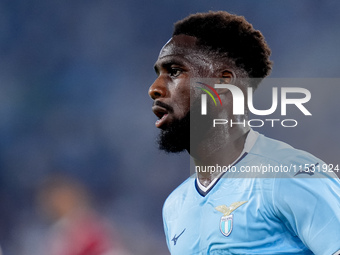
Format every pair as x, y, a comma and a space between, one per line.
83, 233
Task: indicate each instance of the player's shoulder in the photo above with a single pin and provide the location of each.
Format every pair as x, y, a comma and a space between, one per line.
179, 195
276, 152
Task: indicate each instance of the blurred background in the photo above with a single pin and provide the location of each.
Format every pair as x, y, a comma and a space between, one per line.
74, 77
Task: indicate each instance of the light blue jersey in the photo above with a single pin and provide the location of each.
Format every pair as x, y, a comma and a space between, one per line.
295, 212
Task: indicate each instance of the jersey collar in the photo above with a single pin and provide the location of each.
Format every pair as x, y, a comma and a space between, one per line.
248, 145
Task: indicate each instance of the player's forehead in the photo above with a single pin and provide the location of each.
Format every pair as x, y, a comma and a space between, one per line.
179, 45
182, 49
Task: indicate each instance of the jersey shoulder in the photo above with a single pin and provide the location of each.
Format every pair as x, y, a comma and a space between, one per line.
279, 151
177, 197
293, 161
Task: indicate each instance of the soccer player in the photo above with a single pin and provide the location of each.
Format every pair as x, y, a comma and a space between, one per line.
78, 229
226, 212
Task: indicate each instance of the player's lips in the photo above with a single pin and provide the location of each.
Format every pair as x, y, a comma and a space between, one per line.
162, 111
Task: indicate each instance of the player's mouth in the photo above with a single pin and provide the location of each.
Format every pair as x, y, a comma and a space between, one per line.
162, 114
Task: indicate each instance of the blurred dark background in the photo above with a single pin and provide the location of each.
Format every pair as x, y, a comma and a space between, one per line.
74, 77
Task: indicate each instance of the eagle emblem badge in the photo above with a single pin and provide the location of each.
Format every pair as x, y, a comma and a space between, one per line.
226, 222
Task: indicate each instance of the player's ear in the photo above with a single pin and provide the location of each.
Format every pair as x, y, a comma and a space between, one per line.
226, 77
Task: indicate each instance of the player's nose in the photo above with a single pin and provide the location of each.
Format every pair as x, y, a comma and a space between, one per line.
157, 89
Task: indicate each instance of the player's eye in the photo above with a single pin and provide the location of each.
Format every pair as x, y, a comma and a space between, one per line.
175, 72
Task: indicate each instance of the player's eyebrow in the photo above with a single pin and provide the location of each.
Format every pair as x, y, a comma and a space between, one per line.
167, 62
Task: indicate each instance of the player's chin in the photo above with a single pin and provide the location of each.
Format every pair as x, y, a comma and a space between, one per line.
169, 141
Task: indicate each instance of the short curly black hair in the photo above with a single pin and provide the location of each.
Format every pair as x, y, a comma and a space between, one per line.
230, 35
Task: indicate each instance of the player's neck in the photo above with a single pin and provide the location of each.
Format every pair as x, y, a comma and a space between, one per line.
223, 153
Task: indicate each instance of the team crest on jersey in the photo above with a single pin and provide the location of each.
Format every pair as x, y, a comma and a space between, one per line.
226, 222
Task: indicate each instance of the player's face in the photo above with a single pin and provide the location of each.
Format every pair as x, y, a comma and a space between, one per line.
171, 89
178, 61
